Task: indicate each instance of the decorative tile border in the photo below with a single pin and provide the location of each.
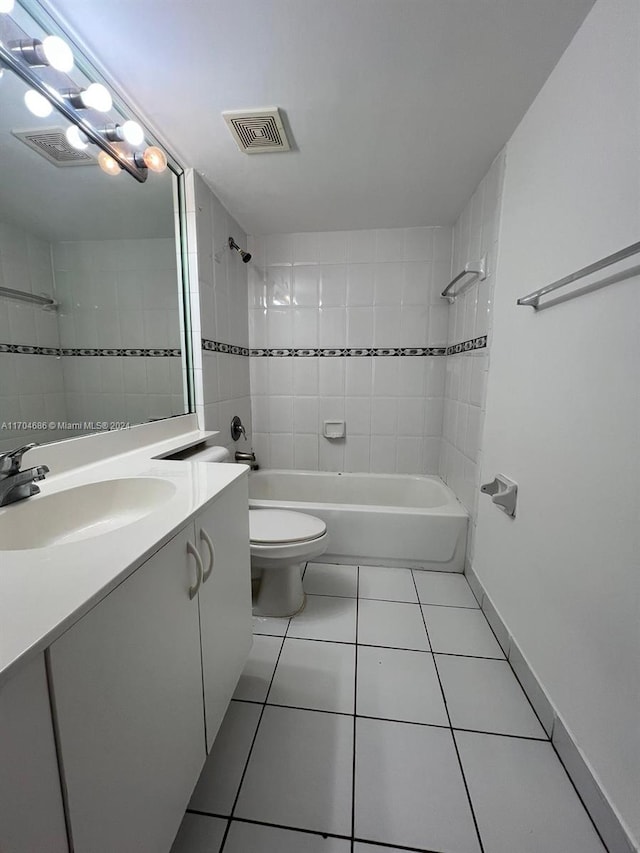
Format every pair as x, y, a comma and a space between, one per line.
25, 349
367, 352
467, 346
217, 346
232, 349
355, 352
124, 353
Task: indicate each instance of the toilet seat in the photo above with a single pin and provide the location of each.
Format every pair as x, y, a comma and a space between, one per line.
278, 527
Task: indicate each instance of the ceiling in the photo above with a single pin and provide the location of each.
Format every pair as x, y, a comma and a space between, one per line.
396, 107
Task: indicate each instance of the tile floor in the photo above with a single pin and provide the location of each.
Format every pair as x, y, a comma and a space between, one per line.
383, 717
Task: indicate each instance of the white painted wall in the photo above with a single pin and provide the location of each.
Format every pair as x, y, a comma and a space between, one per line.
563, 412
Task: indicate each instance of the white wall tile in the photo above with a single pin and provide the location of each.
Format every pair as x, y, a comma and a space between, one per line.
361, 246
305, 414
305, 248
390, 244
330, 454
306, 286
332, 327
332, 247
281, 414
279, 249
359, 326
360, 285
352, 289
305, 376
281, 450
333, 285
305, 452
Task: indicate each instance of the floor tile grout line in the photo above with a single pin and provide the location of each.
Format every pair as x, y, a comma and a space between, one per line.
455, 745
253, 741
314, 832
399, 600
393, 720
378, 646
578, 794
506, 656
355, 709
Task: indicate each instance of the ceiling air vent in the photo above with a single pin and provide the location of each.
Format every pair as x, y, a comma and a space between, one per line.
257, 131
52, 143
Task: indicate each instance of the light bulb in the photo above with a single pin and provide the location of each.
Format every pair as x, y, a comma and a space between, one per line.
76, 138
133, 133
155, 159
58, 53
6, 6
97, 97
108, 164
37, 103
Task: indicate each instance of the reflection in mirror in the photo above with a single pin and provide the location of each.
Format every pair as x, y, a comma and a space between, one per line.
108, 352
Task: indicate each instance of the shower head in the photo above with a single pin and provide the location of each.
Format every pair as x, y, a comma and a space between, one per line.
246, 257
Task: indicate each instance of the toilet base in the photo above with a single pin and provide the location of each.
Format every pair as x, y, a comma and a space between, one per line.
280, 592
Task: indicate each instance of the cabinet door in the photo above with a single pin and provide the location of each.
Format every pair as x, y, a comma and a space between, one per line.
31, 812
225, 599
127, 688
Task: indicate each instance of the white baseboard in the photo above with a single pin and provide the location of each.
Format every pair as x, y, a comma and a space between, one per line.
604, 815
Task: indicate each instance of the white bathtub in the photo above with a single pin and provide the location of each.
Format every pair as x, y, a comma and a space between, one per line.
378, 519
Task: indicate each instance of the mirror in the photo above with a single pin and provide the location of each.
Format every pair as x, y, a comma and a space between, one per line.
108, 353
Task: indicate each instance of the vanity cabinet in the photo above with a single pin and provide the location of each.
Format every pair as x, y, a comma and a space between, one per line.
31, 811
222, 534
129, 679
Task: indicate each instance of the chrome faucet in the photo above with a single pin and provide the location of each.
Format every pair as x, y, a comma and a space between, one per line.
247, 458
16, 485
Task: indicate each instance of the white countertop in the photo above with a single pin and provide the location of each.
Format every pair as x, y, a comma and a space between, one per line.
44, 591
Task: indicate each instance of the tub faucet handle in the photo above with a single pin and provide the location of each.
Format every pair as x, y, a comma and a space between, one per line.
237, 428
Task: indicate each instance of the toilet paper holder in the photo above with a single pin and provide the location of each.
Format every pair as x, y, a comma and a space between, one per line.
503, 492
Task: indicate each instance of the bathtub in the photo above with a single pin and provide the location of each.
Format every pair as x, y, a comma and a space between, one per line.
376, 519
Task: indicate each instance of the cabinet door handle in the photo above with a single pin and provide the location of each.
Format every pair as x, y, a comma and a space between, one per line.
212, 553
191, 549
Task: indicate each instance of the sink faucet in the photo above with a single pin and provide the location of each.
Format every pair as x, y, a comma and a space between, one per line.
15, 485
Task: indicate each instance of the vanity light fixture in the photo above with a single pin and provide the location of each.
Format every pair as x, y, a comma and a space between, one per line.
94, 97
37, 104
76, 138
153, 158
52, 51
130, 132
108, 164
133, 133
118, 142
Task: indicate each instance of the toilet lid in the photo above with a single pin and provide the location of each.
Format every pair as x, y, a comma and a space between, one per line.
279, 526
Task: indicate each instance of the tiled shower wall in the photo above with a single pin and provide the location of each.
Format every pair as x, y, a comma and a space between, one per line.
119, 295
349, 291
475, 235
31, 385
220, 335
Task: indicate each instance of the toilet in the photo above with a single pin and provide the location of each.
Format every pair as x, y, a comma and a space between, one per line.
281, 543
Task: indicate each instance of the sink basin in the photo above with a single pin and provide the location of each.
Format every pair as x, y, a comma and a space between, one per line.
81, 512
